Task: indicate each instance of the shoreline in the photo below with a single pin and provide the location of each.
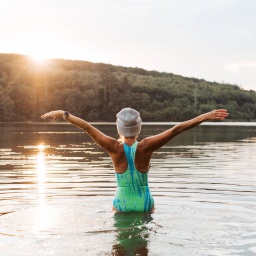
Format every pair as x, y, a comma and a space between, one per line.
217, 123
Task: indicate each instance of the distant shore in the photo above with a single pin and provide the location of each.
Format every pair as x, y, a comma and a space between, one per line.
222, 123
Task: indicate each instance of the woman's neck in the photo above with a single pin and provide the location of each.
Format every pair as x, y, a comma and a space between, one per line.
129, 141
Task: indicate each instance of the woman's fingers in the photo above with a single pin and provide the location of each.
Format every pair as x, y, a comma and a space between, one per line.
220, 114
44, 116
54, 114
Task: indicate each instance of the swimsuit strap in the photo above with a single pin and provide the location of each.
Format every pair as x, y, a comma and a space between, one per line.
130, 152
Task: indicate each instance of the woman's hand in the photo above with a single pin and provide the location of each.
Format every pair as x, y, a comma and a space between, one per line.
54, 114
218, 114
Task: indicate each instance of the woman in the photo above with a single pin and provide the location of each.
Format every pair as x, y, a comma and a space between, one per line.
131, 158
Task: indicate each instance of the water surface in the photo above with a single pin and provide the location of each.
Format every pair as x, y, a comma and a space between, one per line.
57, 187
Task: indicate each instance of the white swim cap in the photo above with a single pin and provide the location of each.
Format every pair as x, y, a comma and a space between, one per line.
128, 122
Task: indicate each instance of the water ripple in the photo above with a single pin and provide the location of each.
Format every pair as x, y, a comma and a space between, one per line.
202, 187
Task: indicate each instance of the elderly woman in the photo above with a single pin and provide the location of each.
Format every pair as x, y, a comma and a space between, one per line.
131, 159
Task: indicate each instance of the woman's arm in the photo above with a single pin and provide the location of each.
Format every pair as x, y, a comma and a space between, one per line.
106, 142
155, 142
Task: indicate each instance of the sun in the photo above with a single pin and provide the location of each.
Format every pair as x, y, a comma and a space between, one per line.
38, 47
38, 56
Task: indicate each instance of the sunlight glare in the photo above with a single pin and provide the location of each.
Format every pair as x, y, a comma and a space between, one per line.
41, 169
44, 217
37, 47
39, 58
41, 147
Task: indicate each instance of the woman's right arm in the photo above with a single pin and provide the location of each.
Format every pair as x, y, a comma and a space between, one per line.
150, 144
106, 142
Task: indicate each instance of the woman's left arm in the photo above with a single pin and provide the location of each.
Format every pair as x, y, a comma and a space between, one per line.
155, 142
106, 142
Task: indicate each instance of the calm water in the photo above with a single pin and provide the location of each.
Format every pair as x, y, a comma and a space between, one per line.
57, 187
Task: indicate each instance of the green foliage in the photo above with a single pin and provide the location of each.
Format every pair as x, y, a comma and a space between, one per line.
97, 91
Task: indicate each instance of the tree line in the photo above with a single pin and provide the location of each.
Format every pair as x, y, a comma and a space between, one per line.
97, 91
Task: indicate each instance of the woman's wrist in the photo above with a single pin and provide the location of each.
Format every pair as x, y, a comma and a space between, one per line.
204, 117
65, 114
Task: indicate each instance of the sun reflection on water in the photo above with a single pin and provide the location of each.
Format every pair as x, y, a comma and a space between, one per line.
41, 147
41, 172
42, 220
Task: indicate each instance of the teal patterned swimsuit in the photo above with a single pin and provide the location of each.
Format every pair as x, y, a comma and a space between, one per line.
132, 194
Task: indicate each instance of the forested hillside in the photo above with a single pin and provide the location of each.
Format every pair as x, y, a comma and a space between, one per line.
97, 91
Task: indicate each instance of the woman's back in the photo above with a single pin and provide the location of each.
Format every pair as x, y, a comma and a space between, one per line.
141, 158
132, 192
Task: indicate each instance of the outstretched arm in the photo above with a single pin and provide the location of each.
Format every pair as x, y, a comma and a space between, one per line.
106, 142
155, 142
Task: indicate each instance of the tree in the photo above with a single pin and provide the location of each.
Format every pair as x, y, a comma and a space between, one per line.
7, 108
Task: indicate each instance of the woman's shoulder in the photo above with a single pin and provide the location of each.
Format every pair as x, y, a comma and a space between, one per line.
144, 146
142, 143
119, 147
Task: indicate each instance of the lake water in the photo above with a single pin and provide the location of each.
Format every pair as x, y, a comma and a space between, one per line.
57, 187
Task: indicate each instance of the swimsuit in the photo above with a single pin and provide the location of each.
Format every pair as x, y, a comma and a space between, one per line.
132, 194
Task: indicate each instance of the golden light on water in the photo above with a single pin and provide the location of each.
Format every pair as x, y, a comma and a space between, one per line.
44, 218
41, 171
41, 147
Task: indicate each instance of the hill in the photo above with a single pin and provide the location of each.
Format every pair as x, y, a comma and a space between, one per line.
97, 91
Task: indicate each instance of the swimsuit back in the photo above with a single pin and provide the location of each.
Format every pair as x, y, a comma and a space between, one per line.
132, 194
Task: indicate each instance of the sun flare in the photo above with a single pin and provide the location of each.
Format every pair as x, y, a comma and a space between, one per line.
41, 147
38, 57
39, 47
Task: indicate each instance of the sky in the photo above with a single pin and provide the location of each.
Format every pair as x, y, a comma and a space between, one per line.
213, 40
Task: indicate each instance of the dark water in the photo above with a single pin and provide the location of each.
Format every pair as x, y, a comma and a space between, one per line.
57, 187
